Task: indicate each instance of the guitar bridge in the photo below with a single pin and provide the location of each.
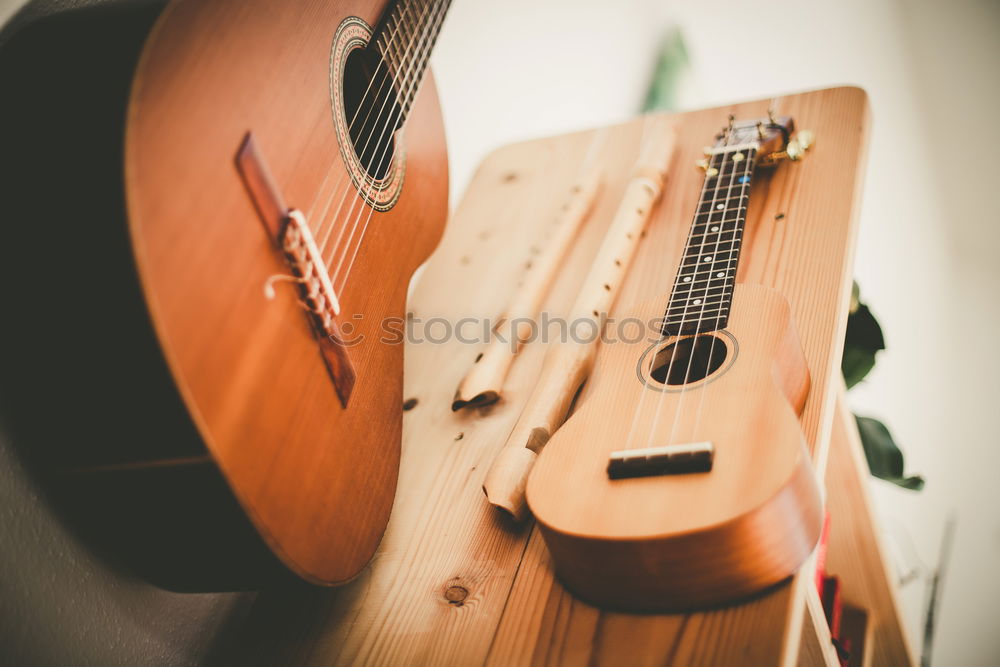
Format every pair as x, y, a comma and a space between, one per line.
307, 263
288, 229
666, 460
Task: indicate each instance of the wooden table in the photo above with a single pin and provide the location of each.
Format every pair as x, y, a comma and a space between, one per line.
454, 583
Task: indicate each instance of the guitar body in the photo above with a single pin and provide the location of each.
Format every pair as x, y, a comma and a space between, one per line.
236, 439
683, 541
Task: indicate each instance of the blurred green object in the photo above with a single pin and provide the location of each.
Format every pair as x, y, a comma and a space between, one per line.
862, 341
670, 66
885, 460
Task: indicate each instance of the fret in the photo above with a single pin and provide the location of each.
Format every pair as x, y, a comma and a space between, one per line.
712, 253
722, 202
716, 246
682, 300
697, 317
717, 217
701, 311
694, 324
717, 226
709, 260
705, 281
700, 283
684, 291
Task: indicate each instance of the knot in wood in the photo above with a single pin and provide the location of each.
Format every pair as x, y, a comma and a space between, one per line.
456, 595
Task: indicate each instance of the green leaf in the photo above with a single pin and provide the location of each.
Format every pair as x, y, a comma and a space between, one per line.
862, 341
671, 62
885, 460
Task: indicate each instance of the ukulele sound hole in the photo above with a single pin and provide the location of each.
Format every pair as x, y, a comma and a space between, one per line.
372, 111
688, 360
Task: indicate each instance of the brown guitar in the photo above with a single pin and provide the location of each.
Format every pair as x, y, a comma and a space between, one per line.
683, 480
229, 198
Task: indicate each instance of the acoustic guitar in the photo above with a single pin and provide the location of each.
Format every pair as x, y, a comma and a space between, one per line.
215, 207
683, 480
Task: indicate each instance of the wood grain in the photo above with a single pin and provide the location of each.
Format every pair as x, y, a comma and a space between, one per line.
442, 534
856, 552
816, 647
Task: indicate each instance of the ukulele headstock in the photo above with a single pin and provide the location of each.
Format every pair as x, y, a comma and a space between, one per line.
774, 139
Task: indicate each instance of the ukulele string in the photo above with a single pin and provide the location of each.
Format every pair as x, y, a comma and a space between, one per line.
327, 225
414, 85
633, 428
408, 51
642, 398
731, 264
718, 162
745, 184
393, 32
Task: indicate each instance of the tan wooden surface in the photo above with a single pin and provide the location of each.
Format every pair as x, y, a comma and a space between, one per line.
855, 553
816, 648
454, 583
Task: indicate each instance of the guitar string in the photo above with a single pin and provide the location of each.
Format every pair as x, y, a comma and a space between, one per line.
416, 80
405, 52
433, 28
663, 335
732, 262
718, 177
408, 52
393, 30
329, 224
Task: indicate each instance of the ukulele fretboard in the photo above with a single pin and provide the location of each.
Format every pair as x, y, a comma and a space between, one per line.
703, 289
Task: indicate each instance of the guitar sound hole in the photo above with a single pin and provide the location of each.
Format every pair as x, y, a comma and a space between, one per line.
372, 111
688, 360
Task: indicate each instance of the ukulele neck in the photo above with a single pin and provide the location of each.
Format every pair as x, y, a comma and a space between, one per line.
702, 293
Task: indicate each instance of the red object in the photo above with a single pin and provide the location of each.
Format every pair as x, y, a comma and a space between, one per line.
832, 605
824, 537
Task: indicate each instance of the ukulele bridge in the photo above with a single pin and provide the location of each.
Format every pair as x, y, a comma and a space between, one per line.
666, 460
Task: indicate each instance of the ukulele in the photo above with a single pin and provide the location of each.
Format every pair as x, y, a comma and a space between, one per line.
683, 480
229, 198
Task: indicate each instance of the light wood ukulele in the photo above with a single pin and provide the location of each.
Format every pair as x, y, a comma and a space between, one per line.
230, 197
683, 480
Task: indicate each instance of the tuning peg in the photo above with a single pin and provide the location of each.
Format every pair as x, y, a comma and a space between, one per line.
805, 139
794, 150
797, 147
702, 164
